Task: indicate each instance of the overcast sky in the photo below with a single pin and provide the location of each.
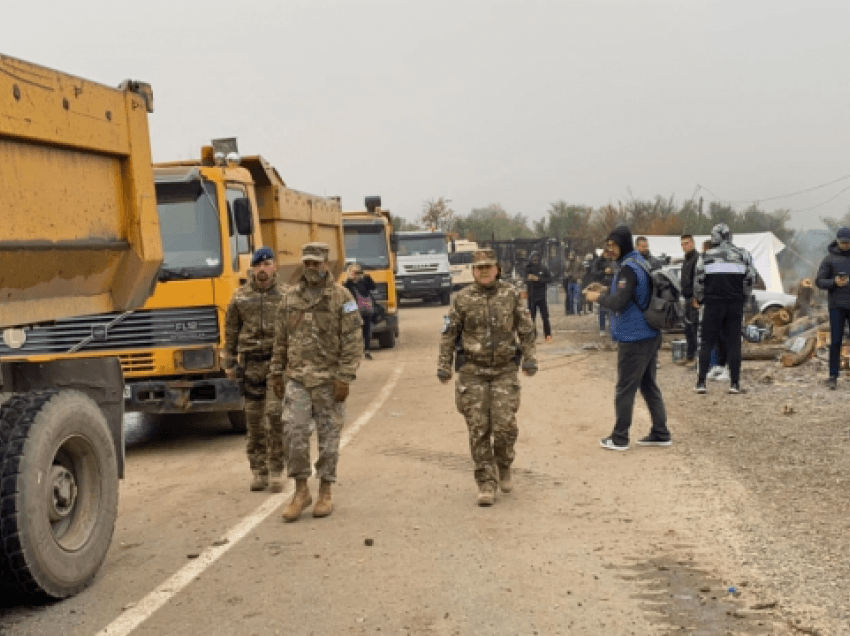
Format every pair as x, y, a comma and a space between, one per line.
518, 103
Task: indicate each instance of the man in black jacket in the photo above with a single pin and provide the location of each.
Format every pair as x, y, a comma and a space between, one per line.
537, 277
691, 308
834, 276
723, 282
642, 246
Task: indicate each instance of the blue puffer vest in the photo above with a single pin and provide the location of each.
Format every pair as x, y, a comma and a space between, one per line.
630, 325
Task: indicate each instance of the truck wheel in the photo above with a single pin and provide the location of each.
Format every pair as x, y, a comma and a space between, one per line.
386, 339
445, 298
59, 491
238, 421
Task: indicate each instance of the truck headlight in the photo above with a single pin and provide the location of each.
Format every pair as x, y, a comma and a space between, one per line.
198, 358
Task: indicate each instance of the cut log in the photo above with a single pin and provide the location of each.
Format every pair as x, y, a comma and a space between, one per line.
762, 352
780, 317
779, 333
789, 359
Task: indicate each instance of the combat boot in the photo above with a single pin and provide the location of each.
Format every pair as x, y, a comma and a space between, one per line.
486, 493
260, 482
276, 482
299, 502
324, 506
505, 483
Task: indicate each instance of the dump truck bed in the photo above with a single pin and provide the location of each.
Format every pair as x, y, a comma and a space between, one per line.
290, 218
80, 227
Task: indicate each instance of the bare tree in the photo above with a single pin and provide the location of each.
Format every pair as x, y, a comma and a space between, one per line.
437, 214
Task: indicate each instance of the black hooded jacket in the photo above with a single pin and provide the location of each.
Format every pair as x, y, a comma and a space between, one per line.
627, 281
537, 288
836, 262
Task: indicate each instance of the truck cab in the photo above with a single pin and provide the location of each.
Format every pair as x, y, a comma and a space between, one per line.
370, 241
423, 267
460, 259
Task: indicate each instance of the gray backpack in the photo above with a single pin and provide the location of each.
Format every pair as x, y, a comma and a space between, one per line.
664, 311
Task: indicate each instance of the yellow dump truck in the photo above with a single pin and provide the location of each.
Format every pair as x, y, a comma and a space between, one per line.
214, 212
371, 242
80, 236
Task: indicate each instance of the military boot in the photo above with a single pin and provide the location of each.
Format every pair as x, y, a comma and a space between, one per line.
276, 482
260, 482
486, 493
324, 506
299, 502
505, 483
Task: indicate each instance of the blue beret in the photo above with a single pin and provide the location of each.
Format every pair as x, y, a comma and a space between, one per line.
262, 254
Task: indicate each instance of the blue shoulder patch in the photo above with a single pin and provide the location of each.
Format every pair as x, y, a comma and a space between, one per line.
349, 307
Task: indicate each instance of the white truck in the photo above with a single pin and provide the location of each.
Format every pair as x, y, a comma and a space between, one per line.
423, 266
460, 259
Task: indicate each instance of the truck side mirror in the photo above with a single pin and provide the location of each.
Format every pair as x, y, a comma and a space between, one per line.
242, 212
394, 243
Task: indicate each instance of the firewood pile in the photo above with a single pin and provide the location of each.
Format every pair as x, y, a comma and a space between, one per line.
793, 333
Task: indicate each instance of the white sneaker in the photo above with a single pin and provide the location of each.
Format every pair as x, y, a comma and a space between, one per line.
724, 375
713, 372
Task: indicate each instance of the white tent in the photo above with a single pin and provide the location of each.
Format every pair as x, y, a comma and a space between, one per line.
764, 246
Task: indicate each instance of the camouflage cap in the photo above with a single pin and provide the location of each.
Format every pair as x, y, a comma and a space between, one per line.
484, 257
315, 252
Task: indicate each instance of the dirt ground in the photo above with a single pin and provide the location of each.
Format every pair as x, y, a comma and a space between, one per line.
738, 528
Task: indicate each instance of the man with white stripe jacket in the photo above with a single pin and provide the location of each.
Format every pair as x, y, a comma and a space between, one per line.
723, 282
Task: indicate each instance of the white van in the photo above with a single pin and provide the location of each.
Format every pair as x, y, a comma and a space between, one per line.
460, 258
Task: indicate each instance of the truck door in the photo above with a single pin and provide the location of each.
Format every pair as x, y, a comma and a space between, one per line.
241, 243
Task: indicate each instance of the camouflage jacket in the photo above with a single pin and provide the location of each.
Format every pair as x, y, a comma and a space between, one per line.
249, 322
491, 323
317, 339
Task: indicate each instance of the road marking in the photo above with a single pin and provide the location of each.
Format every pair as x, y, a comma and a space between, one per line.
144, 609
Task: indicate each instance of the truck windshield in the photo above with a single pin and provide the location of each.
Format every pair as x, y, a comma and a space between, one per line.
414, 245
189, 224
367, 245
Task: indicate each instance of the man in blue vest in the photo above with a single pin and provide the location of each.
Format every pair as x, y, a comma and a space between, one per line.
637, 352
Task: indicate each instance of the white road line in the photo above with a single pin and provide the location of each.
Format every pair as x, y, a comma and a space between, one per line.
144, 609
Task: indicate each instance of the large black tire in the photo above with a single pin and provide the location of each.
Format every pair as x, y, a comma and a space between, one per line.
445, 298
386, 339
238, 421
58, 491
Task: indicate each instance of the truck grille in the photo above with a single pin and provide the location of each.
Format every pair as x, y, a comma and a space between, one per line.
422, 269
136, 362
116, 332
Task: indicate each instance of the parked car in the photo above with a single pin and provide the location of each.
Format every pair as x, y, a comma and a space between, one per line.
761, 301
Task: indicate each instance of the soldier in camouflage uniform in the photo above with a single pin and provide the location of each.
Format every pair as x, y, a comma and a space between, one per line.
492, 320
317, 350
249, 334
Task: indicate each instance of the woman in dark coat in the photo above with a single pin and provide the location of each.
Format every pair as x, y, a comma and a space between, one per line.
361, 287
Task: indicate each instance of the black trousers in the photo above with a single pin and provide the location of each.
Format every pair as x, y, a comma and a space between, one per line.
367, 332
721, 322
691, 329
636, 364
544, 314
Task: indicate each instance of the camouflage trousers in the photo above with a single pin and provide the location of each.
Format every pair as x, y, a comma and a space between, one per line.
263, 412
301, 406
489, 404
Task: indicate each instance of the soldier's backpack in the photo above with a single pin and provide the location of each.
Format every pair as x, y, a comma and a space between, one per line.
663, 311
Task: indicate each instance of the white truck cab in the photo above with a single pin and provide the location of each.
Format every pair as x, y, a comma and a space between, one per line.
423, 266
